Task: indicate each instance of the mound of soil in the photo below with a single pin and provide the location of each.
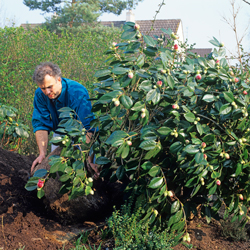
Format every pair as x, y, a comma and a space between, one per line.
27, 222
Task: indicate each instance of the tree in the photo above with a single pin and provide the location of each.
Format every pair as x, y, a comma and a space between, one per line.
109, 6
73, 14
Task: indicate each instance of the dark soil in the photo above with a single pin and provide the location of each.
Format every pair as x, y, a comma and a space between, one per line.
26, 222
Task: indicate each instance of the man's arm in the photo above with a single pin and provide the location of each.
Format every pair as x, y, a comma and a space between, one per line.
42, 142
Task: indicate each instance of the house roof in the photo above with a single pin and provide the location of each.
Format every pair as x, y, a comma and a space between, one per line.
202, 52
30, 25
145, 25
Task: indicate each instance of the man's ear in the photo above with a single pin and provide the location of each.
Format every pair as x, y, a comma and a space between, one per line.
59, 79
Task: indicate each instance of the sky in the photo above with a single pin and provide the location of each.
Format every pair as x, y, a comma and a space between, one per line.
201, 19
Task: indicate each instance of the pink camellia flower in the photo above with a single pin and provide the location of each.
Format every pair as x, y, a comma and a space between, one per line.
203, 144
218, 182
40, 183
244, 92
159, 83
236, 79
198, 77
217, 62
175, 106
176, 46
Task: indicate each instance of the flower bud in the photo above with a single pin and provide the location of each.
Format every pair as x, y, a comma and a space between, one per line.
91, 192
40, 183
241, 197
143, 115
218, 182
170, 194
203, 144
130, 75
90, 179
198, 77
176, 47
163, 71
227, 156
244, 92
117, 103
159, 83
137, 26
129, 143
175, 106
143, 110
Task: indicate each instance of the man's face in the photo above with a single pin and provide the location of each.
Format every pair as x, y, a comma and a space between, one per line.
51, 86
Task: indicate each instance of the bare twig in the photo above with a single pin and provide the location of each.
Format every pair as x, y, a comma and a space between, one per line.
157, 12
233, 25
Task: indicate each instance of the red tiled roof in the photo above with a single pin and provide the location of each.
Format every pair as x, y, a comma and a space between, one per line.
145, 25
202, 52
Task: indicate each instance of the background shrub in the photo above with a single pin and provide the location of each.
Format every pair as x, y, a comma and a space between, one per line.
78, 55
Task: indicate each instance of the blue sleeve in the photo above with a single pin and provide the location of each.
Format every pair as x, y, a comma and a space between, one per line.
83, 107
41, 119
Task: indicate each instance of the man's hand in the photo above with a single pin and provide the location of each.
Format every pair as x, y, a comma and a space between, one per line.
38, 160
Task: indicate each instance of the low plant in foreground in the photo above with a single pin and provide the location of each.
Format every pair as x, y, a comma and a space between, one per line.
130, 232
235, 231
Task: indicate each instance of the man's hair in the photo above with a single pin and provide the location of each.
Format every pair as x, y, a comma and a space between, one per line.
46, 68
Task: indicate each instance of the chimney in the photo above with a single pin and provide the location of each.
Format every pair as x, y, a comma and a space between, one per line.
130, 16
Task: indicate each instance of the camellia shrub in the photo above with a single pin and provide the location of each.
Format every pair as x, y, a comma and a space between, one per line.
174, 128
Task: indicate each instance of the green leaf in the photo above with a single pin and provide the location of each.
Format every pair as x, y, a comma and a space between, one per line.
176, 147
212, 190
120, 172
99, 73
138, 106
191, 149
64, 177
120, 70
116, 136
126, 101
153, 95
128, 35
40, 193
154, 171
149, 40
208, 98
164, 130
40, 173
170, 81
197, 188
238, 169
148, 145
175, 207
102, 160
140, 61
190, 117
215, 175
209, 138
229, 96
225, 109
146, 85
21, 132
155, 182
199, 157
199, 128
125, 151
147, 165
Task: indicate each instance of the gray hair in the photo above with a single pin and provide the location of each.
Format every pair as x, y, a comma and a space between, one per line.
46, 68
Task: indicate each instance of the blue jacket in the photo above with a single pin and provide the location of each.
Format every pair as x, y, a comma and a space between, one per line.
73, 95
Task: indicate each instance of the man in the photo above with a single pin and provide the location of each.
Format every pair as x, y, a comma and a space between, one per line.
54, 93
